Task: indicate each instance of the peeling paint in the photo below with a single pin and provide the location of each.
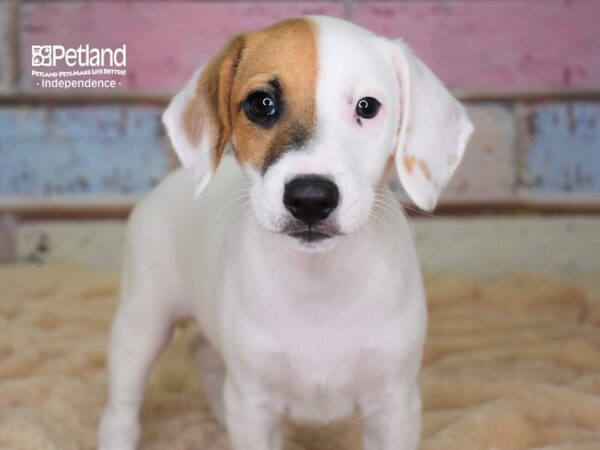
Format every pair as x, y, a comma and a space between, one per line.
81, 150
563, 151
158, 59
487, 168
511, 43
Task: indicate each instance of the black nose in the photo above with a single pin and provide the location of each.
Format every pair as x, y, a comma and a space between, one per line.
311, 198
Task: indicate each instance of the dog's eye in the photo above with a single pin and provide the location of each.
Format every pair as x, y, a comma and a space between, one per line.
367, 107
261, 107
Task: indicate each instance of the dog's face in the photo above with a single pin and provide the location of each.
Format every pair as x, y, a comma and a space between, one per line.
316, 110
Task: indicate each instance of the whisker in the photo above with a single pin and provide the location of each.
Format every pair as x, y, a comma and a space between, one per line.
239, 215
221, 208
378, 222
390, 196
394, 209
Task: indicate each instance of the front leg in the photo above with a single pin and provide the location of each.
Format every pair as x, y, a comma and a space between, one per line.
252, 423
392, 419
140, 331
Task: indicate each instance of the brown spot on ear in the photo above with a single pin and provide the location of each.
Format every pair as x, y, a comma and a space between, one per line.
285, 52
207, 113
409, 162
424, 169
452, 159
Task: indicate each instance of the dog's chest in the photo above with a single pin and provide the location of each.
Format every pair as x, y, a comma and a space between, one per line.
321, 370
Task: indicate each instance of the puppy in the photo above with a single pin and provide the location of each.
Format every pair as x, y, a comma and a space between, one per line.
296, 260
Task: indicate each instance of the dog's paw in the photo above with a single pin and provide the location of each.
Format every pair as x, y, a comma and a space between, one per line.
119, 430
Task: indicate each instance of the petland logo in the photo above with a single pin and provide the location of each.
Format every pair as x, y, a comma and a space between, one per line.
83, 67
82, 56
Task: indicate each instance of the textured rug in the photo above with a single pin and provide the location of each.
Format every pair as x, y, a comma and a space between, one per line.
510, 363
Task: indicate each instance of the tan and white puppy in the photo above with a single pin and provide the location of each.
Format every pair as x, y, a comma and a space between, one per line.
296, 260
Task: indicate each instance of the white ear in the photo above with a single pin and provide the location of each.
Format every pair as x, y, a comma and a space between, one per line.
193, 156
198, 118
434, 130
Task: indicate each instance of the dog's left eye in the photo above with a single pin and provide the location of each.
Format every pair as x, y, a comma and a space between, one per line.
367, 107
261, 108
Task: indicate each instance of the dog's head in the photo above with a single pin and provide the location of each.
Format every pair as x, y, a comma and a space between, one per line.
316, 110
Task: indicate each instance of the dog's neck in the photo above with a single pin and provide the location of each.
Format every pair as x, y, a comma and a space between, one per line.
350, 257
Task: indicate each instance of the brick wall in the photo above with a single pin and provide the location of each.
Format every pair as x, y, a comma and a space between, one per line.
528, 71
485, 44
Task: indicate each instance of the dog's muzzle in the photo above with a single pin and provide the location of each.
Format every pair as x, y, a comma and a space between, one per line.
311, 199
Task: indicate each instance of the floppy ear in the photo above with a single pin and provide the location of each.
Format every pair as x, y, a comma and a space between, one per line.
434, 130
198, 119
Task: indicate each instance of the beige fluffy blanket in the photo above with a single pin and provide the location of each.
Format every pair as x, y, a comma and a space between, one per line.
512, 363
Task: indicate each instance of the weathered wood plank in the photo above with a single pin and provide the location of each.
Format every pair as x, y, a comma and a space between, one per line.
496, 43
80, 150
481, 246
166, 41
8, 35
487, 170
561, 153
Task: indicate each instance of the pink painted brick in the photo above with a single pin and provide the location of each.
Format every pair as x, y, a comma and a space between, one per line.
6, 62
166, 41
496, 43
487, 170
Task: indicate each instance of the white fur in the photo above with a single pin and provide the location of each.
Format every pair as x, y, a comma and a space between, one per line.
314, 331
195, 158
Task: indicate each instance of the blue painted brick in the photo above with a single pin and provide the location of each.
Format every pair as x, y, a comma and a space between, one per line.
96, 150
563, 150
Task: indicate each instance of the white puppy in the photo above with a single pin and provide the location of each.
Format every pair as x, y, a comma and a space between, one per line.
296, 260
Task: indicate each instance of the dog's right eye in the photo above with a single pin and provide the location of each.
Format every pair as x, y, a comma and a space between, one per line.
367, 107
261, 108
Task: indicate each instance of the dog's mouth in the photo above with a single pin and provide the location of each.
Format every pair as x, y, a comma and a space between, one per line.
311, 233
310, 236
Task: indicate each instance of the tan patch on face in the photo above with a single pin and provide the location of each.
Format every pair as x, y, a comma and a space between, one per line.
287, 53
409, 162
424, 169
